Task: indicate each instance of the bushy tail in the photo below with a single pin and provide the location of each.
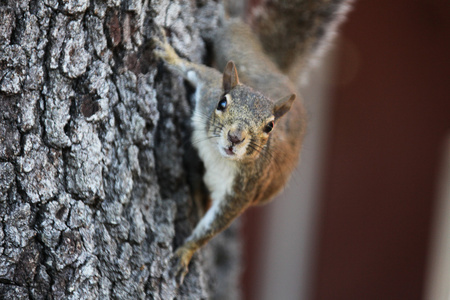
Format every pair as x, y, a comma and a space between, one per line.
294, 32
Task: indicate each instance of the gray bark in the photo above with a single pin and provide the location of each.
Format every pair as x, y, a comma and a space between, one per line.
94, 192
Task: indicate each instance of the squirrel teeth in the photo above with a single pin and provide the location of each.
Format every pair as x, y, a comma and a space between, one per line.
229, 150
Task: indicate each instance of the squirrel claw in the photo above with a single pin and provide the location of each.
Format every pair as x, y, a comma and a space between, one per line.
164, 50
179, 264
177, 271
166, 53
179, 276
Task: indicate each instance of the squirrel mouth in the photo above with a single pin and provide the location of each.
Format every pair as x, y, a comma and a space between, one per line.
229, 150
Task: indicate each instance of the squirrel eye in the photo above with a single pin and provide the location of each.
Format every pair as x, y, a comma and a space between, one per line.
222, 104
269, 127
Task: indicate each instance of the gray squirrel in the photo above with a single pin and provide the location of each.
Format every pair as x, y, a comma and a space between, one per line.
249, 121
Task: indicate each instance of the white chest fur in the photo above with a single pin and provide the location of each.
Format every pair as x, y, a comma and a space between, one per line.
220, 172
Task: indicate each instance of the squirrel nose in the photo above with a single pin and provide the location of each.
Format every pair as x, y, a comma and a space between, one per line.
236, 137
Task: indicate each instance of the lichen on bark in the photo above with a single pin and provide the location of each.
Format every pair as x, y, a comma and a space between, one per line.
94, 192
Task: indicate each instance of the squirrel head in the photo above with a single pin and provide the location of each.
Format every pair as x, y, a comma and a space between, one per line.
244, 120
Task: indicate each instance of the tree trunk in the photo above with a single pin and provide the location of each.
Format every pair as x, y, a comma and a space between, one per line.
94, 132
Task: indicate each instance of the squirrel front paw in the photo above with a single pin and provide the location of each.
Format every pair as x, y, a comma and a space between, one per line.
179, 263
165, 51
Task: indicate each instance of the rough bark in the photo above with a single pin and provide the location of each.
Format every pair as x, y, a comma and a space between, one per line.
94, 192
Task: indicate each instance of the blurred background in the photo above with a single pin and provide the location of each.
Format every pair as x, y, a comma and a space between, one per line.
367, 213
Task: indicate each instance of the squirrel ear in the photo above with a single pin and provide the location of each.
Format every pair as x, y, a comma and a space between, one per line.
230, 77
282, 106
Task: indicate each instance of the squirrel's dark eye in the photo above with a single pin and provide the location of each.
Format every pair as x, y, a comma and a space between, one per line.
269, 127
222, 104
